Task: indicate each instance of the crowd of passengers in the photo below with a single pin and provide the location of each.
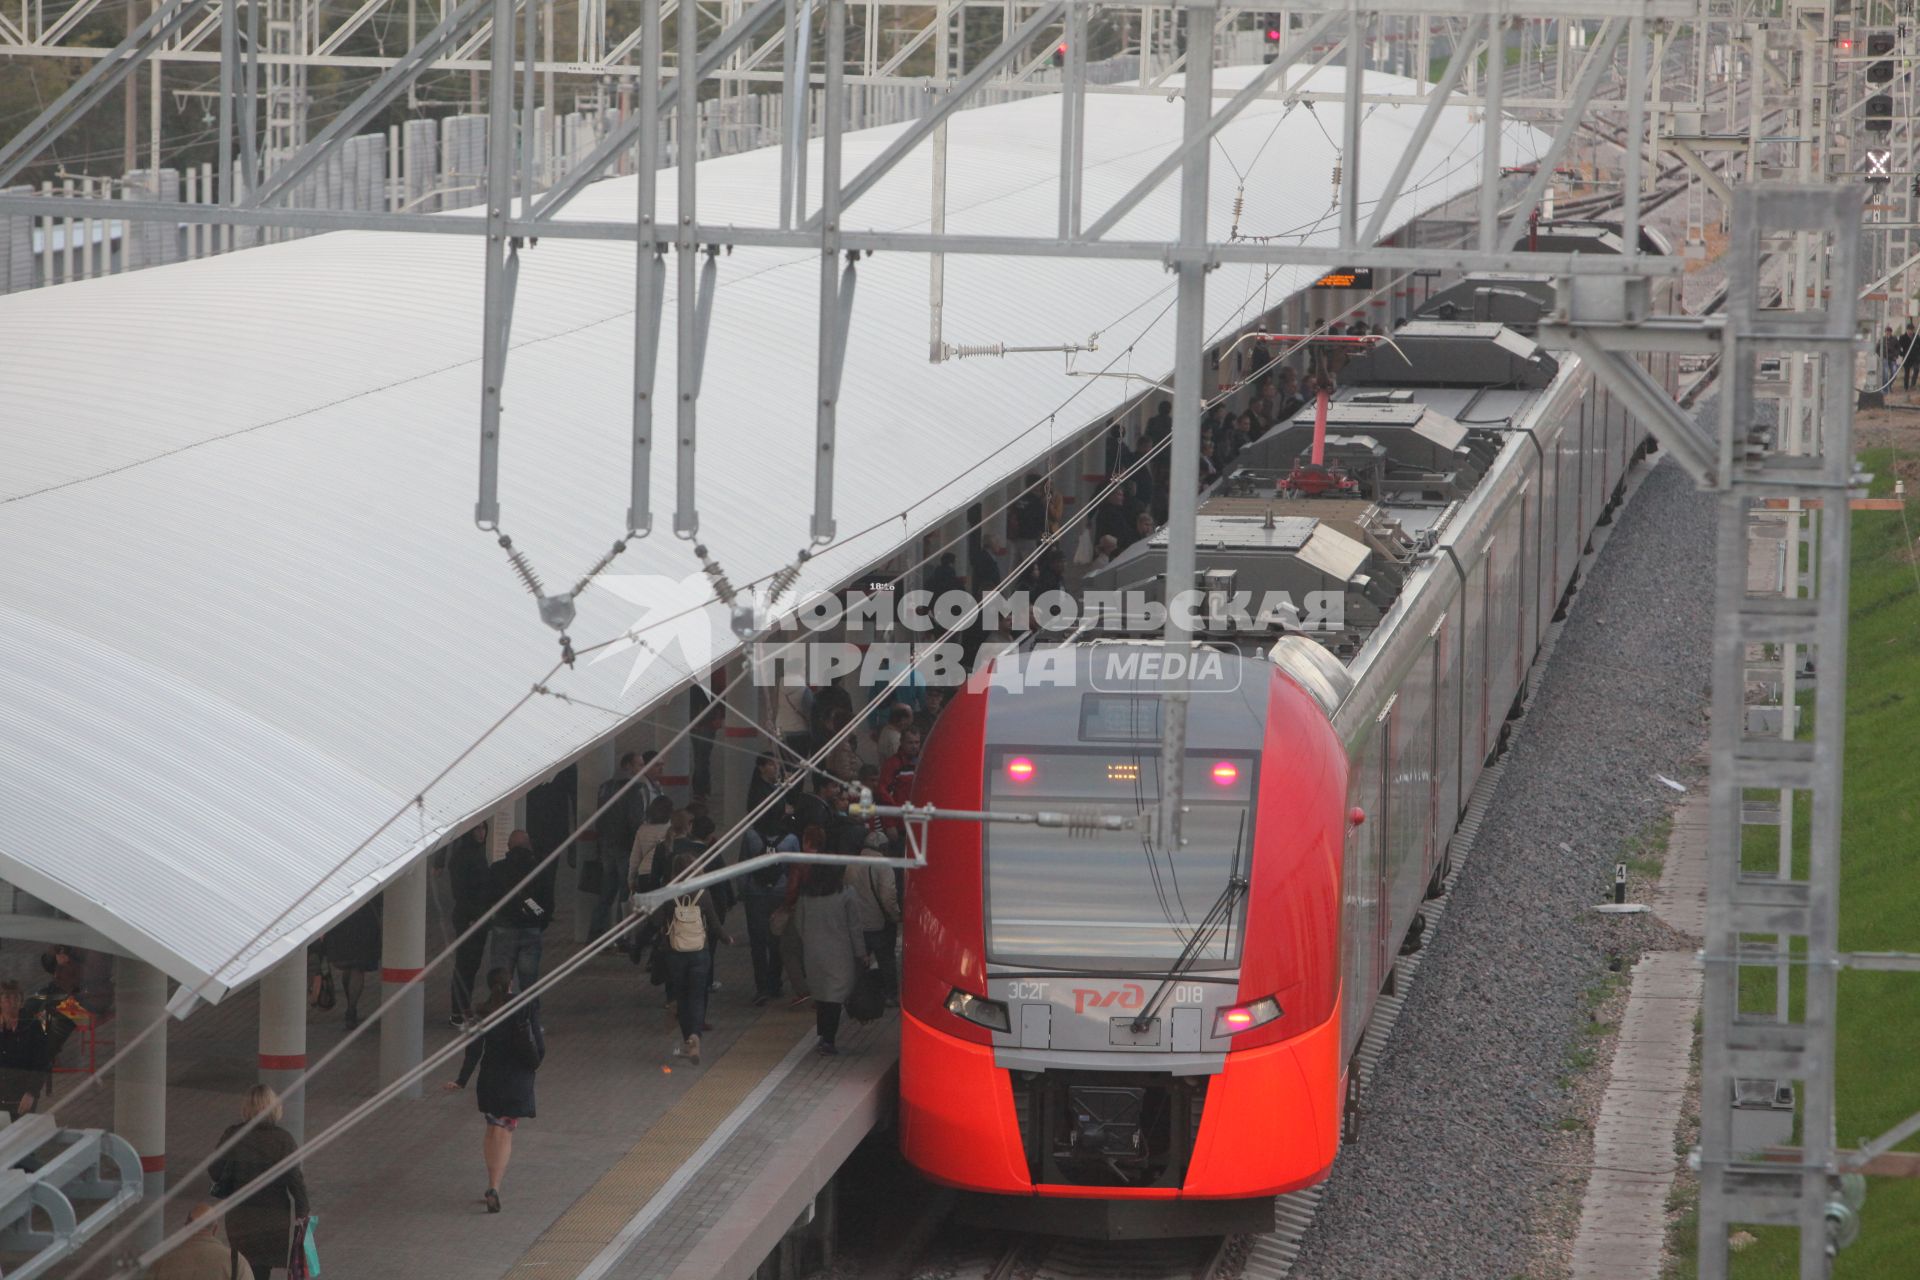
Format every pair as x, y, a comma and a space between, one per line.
814, 932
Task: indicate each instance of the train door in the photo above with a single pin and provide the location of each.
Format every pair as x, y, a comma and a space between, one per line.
1525, 590
1386, 732
1436, 661
1483, 664
1360, 890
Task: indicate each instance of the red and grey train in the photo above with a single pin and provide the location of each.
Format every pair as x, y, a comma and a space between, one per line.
1325, 773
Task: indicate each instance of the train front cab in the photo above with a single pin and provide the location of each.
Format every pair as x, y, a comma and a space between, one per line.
1030, 952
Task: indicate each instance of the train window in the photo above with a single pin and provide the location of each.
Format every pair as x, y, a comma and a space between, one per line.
1114, 900
1120, 717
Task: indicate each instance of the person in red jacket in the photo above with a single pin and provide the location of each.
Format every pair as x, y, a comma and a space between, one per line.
896, 782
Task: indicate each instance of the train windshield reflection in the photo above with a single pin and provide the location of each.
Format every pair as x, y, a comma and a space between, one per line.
1112, 900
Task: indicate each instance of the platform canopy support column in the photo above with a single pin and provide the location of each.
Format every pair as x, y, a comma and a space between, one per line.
140, 1082
403, 954
283, 1036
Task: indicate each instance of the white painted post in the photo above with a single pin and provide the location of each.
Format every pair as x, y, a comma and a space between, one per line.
403, 956
46, 239
283, 1036
67, 233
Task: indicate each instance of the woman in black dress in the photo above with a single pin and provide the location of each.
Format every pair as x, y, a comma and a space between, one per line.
260, 1228
507, 1055
353, 947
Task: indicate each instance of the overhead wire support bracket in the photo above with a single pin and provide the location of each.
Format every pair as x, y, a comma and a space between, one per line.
501, 272
649, 278
916, 818
694, 301
836, 290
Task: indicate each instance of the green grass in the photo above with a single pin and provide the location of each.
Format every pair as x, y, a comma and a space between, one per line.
1646, 854
1879, 899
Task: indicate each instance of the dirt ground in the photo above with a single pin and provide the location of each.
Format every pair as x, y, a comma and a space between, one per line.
1896, 426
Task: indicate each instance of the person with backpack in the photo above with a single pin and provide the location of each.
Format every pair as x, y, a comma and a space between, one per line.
643, 870
507, 1056
524, 911
688, 924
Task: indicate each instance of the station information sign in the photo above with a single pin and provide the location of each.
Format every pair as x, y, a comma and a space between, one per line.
1346, 278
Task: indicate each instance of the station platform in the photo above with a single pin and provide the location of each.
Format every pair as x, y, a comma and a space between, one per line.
638, 1164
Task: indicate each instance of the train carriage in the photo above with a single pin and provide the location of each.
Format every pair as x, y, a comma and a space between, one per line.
1104, 1037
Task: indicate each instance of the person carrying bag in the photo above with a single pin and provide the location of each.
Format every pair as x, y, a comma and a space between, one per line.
303, 1250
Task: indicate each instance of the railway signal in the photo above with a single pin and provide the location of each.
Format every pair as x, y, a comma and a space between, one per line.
1880, 48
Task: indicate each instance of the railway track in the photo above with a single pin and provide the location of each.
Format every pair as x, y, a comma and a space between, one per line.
1272, 1255
1037, 1257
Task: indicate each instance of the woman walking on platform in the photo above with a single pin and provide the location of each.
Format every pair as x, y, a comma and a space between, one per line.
507, 1055
834, 945
260, 1228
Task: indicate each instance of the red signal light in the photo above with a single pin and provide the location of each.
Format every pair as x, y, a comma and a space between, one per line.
1020, 769
1846, 46
1225, 773
1273, 35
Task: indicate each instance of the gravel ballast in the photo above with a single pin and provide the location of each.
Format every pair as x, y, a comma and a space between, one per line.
1463, 1167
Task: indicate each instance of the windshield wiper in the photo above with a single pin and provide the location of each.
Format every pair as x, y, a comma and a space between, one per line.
1219, 914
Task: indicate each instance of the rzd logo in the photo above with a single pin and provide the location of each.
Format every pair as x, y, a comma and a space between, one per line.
1127, 997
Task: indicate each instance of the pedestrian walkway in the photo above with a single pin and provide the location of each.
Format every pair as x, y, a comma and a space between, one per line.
1623, 1215
400, 1194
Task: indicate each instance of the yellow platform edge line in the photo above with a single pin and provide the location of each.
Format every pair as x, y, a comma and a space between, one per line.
589, 1225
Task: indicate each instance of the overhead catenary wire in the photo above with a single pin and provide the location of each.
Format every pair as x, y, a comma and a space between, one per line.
199, 989
772, 575
1050, 541
319, 1142
546, 981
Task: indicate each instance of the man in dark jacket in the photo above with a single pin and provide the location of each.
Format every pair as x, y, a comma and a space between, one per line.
467, 881
24, 1056
1027, 516
524, 913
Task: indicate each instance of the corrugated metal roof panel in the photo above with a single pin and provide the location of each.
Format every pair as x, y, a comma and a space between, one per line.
246, 612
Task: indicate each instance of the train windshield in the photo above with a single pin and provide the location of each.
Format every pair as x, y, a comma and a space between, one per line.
1113, 900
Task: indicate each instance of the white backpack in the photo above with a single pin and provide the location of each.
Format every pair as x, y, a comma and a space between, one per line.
688, 930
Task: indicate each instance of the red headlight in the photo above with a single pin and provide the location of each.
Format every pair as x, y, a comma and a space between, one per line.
1234, 1019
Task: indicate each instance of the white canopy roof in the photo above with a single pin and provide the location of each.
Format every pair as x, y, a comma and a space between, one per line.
246, 617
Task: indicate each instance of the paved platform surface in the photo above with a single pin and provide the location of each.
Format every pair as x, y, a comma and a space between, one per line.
400, 1195
1623, 1214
